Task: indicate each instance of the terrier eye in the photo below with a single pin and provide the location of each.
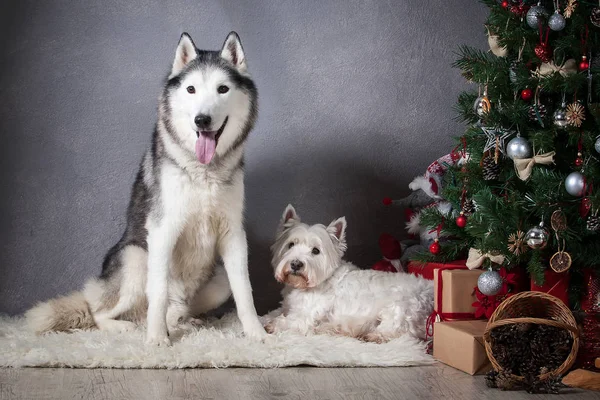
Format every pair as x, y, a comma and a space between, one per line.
222, 89
191, 89
316, 251
290, 245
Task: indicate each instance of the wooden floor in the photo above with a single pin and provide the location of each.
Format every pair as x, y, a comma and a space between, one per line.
434, 382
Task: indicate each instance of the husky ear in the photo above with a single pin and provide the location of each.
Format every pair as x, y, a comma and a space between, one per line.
186, 52
232, 51
337, 229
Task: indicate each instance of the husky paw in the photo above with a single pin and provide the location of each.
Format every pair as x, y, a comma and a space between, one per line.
270, 327
256, 332
116, 326
158, 341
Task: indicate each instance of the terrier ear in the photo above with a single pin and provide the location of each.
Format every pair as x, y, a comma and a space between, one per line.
233, 52
186, 52
337, 229
289, 213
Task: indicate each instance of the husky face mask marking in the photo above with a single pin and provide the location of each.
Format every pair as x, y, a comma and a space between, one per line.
204, 89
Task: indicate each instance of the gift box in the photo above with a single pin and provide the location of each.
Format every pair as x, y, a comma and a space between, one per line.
555, 284
426, 269
454, 292
459, 344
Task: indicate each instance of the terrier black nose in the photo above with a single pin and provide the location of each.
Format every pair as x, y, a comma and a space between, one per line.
296, 265
202, 121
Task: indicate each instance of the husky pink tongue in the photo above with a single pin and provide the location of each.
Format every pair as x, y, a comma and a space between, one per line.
205, 146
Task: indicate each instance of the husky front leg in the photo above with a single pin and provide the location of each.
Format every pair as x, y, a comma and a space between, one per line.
234, 251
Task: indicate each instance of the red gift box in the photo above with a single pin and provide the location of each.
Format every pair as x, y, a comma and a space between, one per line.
555, 284
426, 270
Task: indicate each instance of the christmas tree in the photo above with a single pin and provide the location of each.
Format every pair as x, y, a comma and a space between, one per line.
526, 189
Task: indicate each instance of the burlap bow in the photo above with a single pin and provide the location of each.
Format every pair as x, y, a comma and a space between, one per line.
569, 67
525, 165
476, 258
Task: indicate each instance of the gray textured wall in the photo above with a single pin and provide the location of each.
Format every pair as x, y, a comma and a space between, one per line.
356, 98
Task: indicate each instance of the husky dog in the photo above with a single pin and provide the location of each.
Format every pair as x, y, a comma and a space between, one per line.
325, 294
185, 213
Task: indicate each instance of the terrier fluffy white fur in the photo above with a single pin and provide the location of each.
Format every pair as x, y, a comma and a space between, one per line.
325, 294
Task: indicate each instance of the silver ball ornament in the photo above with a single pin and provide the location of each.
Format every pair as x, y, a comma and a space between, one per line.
489, 283
518, 148
560, 117
481, 106
575, 184
557, 22
537, 237
597, 144
535, 15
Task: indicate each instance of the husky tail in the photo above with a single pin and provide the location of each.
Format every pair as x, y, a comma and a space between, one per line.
62, 314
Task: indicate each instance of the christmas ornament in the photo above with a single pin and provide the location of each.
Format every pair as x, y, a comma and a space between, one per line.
595, 17
593, 222
569, 67
557, 22
435, 248
537, 237
570, 8
516, 243
536, 15
558, 221
495, 48
512, 71
560, 116
519, 10
504, 4
527, 94
538, 112
489, 283
584, 64
495, 140
491, 169
476, 258
518, 148
597, 144
542, 50
482, 105
461, 220
524, 166
575, 184
589, 347
560, 261
579, 160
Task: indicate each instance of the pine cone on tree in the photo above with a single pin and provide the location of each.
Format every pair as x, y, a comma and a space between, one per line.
468, 207
491, 170
593, 223
538, 112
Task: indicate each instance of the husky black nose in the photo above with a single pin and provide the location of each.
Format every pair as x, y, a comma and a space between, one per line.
202, 121
296, 265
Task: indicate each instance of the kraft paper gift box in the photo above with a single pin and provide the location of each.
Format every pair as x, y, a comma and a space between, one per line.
459, 344
454, 292
426, 269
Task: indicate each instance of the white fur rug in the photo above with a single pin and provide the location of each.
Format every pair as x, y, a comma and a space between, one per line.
218, 344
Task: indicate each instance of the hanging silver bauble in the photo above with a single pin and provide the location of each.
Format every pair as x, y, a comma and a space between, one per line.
489, 283
537, 237
597, 144
557, 22
560, 117
481, 106
518, 148
575, 184
535, 15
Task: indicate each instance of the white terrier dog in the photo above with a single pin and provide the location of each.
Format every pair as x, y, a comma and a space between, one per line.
325, 294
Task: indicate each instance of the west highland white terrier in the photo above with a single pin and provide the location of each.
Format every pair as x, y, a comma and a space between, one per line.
325, 294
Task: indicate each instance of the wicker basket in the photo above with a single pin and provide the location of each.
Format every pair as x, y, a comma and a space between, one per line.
534, 308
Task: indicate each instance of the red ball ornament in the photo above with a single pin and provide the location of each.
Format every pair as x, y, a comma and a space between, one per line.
387, 201
504, 4
527, 94
578, 161
461, 220
584, 64
434, 248
543, 52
